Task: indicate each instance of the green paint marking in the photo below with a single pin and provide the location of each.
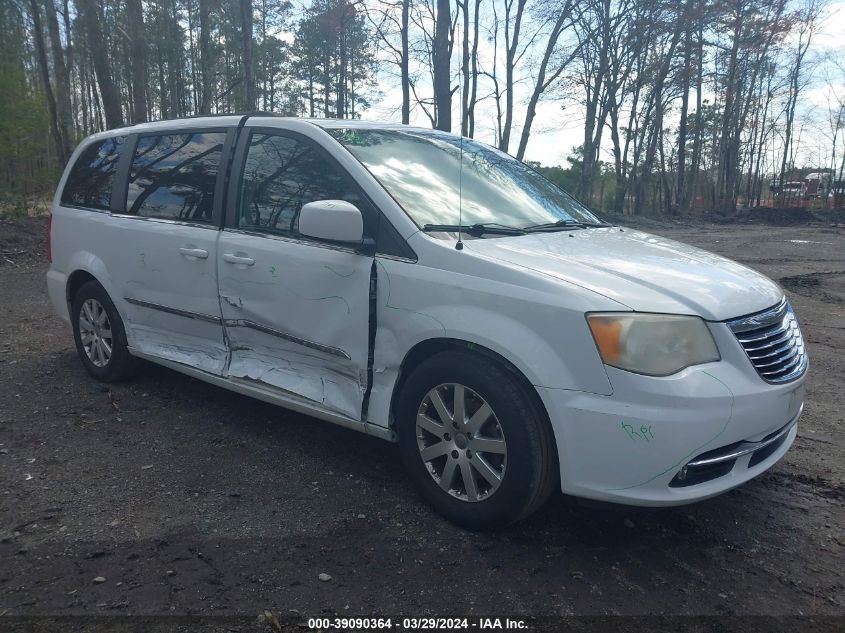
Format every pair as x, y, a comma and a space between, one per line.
272, 271
695, 451
644, 433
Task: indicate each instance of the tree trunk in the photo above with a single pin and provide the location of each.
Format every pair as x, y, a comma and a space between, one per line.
246, 41
327, 86
699, 120
511, 50
465, 71
43, 67
680, 184
343, 68
138, 52
403, 63
441, 67
69, 62
473, 97
543, 82
596, 86
204, 106
90, 18
61, 79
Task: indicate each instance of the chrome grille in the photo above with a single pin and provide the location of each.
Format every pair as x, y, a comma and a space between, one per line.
773, 342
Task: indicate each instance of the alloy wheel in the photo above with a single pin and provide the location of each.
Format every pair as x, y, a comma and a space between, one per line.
95, 332
461, 443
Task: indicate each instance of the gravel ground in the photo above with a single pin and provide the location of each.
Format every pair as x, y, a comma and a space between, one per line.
167, 496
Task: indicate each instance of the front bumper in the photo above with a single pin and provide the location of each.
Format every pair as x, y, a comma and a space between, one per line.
632, 446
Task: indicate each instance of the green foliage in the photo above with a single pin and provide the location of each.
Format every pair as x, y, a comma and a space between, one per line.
564, 177
25, 166
334, 59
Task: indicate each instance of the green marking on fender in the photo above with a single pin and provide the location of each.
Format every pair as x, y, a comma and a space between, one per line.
643, 434
687, 457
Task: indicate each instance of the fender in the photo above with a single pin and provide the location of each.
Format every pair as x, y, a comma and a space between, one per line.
508, 319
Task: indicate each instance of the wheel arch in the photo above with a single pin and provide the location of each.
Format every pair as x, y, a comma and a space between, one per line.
75, 281
428, 347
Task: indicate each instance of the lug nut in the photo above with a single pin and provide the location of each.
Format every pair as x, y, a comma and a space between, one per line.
469, 453
447, 437
455, 454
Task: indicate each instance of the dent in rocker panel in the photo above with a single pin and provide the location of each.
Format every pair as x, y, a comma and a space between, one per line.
327, 349
295, 369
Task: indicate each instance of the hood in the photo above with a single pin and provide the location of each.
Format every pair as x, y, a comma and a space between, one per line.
644, 272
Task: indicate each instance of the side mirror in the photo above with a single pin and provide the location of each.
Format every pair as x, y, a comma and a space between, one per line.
332, 220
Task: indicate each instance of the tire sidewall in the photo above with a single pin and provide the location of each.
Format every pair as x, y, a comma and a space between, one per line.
517, 419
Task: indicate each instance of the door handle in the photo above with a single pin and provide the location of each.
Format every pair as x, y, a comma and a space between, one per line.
199, 253
231, 258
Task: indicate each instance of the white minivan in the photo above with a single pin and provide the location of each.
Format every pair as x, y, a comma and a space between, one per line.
431, 291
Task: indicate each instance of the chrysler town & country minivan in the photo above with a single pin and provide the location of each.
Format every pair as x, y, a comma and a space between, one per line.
431, 291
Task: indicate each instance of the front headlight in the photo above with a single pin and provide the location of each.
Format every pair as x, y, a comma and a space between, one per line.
652, 344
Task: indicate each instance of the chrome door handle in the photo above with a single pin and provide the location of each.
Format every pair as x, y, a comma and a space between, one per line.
199, 253
231, 258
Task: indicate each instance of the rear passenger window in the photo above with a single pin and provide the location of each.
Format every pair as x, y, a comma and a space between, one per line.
89, 183
173, 176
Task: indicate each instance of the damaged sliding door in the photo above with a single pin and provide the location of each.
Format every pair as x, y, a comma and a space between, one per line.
295, 311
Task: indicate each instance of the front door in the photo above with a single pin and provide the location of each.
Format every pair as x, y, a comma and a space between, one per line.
295, 311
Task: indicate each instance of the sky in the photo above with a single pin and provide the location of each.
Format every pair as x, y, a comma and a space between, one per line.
556, 131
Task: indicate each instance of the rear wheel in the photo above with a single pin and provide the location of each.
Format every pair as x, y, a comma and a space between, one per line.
474, 441
99, 335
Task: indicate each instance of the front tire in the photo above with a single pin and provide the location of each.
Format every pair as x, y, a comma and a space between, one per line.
474, 441
99, 335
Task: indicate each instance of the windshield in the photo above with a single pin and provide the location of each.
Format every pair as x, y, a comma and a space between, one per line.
421, 170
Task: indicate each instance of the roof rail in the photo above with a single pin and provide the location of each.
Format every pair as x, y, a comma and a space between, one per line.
206, 116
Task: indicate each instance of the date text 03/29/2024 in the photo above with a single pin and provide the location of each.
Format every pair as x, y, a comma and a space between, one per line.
424, 623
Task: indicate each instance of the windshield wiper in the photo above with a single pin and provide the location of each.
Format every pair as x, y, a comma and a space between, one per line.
490, 228
565, 225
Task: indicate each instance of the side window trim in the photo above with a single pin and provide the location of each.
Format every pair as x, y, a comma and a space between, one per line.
125, 167
238, 165
218, 208
120, 187
236, 177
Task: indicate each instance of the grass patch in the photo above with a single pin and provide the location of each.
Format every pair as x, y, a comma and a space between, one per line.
18, 206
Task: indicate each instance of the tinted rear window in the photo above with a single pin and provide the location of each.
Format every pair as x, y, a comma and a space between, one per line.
173, 176
89, 183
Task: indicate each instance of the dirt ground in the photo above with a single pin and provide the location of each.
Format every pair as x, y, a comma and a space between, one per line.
180, 498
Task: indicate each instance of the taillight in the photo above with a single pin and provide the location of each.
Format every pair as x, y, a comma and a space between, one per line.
50, 239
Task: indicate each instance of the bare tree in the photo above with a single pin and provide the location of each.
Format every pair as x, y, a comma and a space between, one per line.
41, 54
90, 16
553, 62
391, 21
807, 18
61, 82
138, 58
441, 54
206, 63
246, 55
